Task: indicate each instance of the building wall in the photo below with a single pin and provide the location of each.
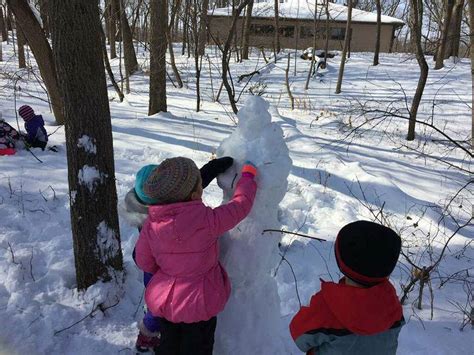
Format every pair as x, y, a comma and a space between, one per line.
299, 34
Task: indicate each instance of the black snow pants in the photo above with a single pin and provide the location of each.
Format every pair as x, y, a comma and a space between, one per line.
186, 338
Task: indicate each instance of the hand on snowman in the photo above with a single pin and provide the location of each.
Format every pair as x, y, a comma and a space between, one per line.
249, 169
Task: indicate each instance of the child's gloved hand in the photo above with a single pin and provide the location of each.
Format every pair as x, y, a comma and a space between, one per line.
249, 169
214, 168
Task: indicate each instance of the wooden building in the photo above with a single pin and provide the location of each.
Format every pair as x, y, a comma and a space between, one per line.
299, 29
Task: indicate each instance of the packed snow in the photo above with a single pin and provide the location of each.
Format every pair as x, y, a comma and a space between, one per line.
248, 256
335, 176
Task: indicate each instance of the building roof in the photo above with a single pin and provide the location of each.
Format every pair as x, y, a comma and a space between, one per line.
304, 9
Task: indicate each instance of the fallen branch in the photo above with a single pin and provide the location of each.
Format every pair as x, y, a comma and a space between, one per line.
293, 233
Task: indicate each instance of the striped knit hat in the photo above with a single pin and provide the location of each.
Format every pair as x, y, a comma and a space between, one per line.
172, 181
367, 252
26, 112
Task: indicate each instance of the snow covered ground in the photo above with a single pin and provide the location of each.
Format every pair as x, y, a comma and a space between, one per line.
329, 182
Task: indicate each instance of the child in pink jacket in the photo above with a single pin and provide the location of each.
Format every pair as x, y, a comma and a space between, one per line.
179, 246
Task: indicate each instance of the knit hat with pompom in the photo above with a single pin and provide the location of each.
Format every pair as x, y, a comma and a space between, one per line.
172, 181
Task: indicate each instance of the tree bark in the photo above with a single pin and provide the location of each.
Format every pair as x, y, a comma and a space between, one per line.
246, 36
129, 55
91, 172
277, 28
203, 27
444, 34
3, 26
159, 27
471, 23
454, 32
42, 51
346, 46
107, 65
43, 7
377, 36
326, 43
169, 38
20, 38
112, 29
417, 25
226, 55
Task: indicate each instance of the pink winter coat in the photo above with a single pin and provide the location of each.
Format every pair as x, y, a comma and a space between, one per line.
179, 245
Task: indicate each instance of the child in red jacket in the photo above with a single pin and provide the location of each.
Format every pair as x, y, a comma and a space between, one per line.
361, 314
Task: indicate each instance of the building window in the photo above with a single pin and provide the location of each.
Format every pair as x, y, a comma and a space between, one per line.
337, 33
308, 32
262, 30
287, 31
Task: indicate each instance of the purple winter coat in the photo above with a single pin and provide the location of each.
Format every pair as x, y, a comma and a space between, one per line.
35, 130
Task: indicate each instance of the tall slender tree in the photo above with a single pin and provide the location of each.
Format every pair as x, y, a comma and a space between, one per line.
444, 34
277, 28
346, 46
129, 55
20, 40
3, 26
203, 26
377, 35
416, 30
41, 49
77, 47
471, 35
246, 36
159, 27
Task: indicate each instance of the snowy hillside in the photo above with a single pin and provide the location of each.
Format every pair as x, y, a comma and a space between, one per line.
337, 175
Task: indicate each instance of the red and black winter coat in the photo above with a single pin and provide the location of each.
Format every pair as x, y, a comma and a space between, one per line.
343, 319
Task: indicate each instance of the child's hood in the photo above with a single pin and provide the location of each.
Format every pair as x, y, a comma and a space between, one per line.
363, 311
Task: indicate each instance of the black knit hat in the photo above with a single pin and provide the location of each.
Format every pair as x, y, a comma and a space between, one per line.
367, 252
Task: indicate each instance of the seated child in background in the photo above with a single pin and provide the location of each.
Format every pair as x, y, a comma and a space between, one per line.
135, 211
9, 138
361, 314
178, 244
37, 136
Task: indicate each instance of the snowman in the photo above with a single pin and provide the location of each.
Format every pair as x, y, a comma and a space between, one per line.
251, 319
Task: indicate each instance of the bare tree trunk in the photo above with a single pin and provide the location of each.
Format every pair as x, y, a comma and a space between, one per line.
203, 27
91, 172
20, 38
277, 27
416, 30
42, 52
43, 9
226, 54
129, 55
454, 32
196, 31
287, 82
471, 23
377, 36
346, 46
185, 27
112, 29
444, 34
3, 26
246, 36
159, 27
326, 44
107, 66
169, 37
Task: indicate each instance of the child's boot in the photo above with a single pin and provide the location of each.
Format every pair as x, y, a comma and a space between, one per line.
147, 341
